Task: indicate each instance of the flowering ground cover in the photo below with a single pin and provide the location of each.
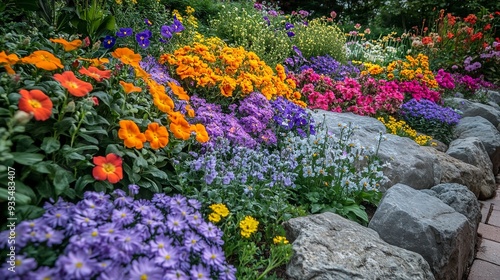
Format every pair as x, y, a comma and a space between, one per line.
140, 145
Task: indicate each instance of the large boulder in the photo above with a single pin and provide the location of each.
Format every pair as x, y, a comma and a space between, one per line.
473, 109
463, 201
486, 132
424, 224
453, 170
327, 246
407, 162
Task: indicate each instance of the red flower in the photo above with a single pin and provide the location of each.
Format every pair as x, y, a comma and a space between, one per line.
35, 102
95, 100
95, 73
108, 168
75, 86
471, 18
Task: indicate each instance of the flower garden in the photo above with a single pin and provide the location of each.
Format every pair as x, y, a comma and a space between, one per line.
140, 141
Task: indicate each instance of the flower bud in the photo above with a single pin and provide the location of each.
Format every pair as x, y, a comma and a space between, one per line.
70, 107
22, 118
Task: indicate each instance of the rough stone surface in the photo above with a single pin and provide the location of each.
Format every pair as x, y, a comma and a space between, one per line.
460, 198
408, 162
493, 96
424, 224
471, 150
488, 134
456, 171
472, 109
327, 246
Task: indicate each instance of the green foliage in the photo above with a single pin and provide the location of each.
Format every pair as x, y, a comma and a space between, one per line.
319, 38
244, 26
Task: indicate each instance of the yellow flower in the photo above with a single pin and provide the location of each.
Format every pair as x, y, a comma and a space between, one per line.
220, 209
214, 217
248, 226
280, 240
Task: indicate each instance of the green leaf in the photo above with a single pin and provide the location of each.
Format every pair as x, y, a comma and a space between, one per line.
140, 162
156, 173
356, 210
64, 125
88, 138
27, 158
82, 182
62, 179
50, 145
29, 212
74, 156
315, 208
103, 96
25, 190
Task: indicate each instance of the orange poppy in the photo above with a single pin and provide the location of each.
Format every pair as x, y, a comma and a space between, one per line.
95, 73
43, 60
68, 46
129, 87
179, 91
7, 61
75, 86
95, 61
35, 102
129, 131
180, 130
127, 56
201, 133
189, 111
108, 168
156, 135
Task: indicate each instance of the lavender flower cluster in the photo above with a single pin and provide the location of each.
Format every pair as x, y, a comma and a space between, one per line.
104, 237
430, 111
327, 65
159, 73
246, 124
291, 117
225, 164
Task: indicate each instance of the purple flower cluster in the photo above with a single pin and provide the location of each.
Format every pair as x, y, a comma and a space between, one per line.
445, 80
327, 65
222, 164
429, 111
168, 31
119, 237
246, 124
291, 117
471, 67
158, 72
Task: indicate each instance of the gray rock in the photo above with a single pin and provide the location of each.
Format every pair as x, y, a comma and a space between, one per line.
456, 171
473, 109
424, 224
488, 134
329, 247
471, 150
493, 96
407, 162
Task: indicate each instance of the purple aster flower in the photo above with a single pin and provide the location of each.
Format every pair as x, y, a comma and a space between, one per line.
108, 231
51, 236
108, 42
115, 272
124, 32
195, 220
194, 203
43, 273
193, 241
176, 274
288, 26
176, 223
228, 273
23, 265
273, 13
122, 216
199, 272
144, 268
84, 218
178, 201
214, 257
167, 257
56, 217
129, 241
123, 201
76, 265
160, 242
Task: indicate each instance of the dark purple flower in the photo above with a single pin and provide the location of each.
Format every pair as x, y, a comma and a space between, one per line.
288, 26
124, 32
266, 19
148, 22
290, 33
167, 31
177, 26
108, 42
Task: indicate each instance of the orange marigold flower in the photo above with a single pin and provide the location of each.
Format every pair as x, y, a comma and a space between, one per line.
180, 131
227, 86
43, 60
130, 132
189, 111
95, 73
177, 118
35, 102
68, 46
179, 91
201, 133
129, 87
163, 102
75, 86
156, 135
108, 168
127, 56
8, 60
